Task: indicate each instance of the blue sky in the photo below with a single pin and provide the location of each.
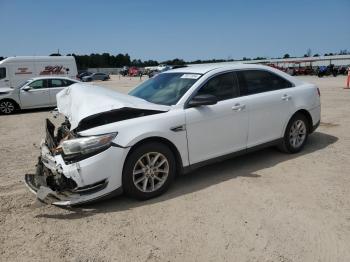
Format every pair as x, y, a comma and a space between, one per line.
155, 29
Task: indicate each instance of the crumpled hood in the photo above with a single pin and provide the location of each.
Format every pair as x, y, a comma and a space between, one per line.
79, 101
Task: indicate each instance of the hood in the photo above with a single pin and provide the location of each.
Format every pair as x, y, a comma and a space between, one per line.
80, 101
5, 90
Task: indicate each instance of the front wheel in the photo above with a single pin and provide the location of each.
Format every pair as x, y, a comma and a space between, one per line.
148, 171
7, 107
295, 135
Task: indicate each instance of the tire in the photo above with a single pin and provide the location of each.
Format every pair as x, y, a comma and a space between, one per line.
296, 134
7, 107
141, 180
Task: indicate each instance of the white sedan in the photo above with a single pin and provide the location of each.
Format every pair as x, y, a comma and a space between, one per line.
171, 124
33, 93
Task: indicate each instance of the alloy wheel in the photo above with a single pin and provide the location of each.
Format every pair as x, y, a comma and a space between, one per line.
7, 107
150, 172
297, 133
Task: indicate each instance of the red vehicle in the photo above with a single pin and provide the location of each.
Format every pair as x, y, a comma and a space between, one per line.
277, 67
134, 71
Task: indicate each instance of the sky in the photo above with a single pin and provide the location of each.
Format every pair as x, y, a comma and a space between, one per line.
164, 29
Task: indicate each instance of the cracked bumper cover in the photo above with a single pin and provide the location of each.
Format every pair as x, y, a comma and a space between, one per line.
58, 183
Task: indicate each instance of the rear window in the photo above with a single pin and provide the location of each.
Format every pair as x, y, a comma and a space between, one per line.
68, 82
2, 72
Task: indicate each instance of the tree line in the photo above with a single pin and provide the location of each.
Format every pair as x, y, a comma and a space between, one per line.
112, 61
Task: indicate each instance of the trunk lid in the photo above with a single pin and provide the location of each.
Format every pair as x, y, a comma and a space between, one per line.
80, 101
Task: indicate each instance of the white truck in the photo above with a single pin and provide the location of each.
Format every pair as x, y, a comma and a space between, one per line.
15, 70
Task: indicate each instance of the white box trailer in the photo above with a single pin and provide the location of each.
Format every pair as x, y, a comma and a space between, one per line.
15, 70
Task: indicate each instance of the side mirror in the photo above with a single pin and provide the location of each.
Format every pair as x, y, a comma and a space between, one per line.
202, 100
26, 88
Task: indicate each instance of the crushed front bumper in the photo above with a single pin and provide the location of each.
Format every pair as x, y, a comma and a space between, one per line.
67, 184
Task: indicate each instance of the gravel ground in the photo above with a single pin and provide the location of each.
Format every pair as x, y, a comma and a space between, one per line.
265, 206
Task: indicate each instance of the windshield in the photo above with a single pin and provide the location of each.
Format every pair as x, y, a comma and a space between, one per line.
23, 84
165, 89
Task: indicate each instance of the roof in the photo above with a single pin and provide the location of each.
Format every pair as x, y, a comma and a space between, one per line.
53, 77
35, 58
203, 69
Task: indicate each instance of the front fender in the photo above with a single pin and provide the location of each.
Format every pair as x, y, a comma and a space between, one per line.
178, 139
132, 131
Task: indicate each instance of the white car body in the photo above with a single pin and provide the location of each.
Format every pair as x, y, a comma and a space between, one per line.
31, 95
196, 135
15, 70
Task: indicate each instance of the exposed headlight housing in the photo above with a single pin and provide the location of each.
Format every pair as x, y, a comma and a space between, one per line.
85, 146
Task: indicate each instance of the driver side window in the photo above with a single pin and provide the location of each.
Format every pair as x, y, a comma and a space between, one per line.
222, 86
38, 84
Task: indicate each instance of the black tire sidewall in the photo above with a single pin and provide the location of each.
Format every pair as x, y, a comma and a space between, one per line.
286, 141
127, 180
13, 104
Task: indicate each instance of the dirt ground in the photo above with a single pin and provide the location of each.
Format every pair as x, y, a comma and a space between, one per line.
265, 206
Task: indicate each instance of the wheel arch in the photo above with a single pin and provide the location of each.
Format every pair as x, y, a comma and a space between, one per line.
168, 143
307, 115
12, 100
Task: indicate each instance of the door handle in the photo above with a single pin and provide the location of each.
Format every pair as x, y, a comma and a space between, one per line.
6, 80
286, 97
238, 107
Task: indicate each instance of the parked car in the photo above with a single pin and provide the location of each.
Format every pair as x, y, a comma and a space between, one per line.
124, 71
342, 70
95, 76
304, 70
162, 69
170, 124
82, 74
300, 70
327, 71
15, 70
134, 71
33, 93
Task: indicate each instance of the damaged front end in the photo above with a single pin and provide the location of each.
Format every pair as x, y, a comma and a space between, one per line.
74, 169
58, 179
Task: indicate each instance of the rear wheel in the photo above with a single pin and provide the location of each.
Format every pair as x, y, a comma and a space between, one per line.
7, 107
295, 135
149, 171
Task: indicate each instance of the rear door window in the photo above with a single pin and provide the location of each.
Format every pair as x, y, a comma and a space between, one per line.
222, 86
259, 81
56, 83
2, 72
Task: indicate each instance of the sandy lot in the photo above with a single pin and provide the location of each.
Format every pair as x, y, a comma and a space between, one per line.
265, 206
